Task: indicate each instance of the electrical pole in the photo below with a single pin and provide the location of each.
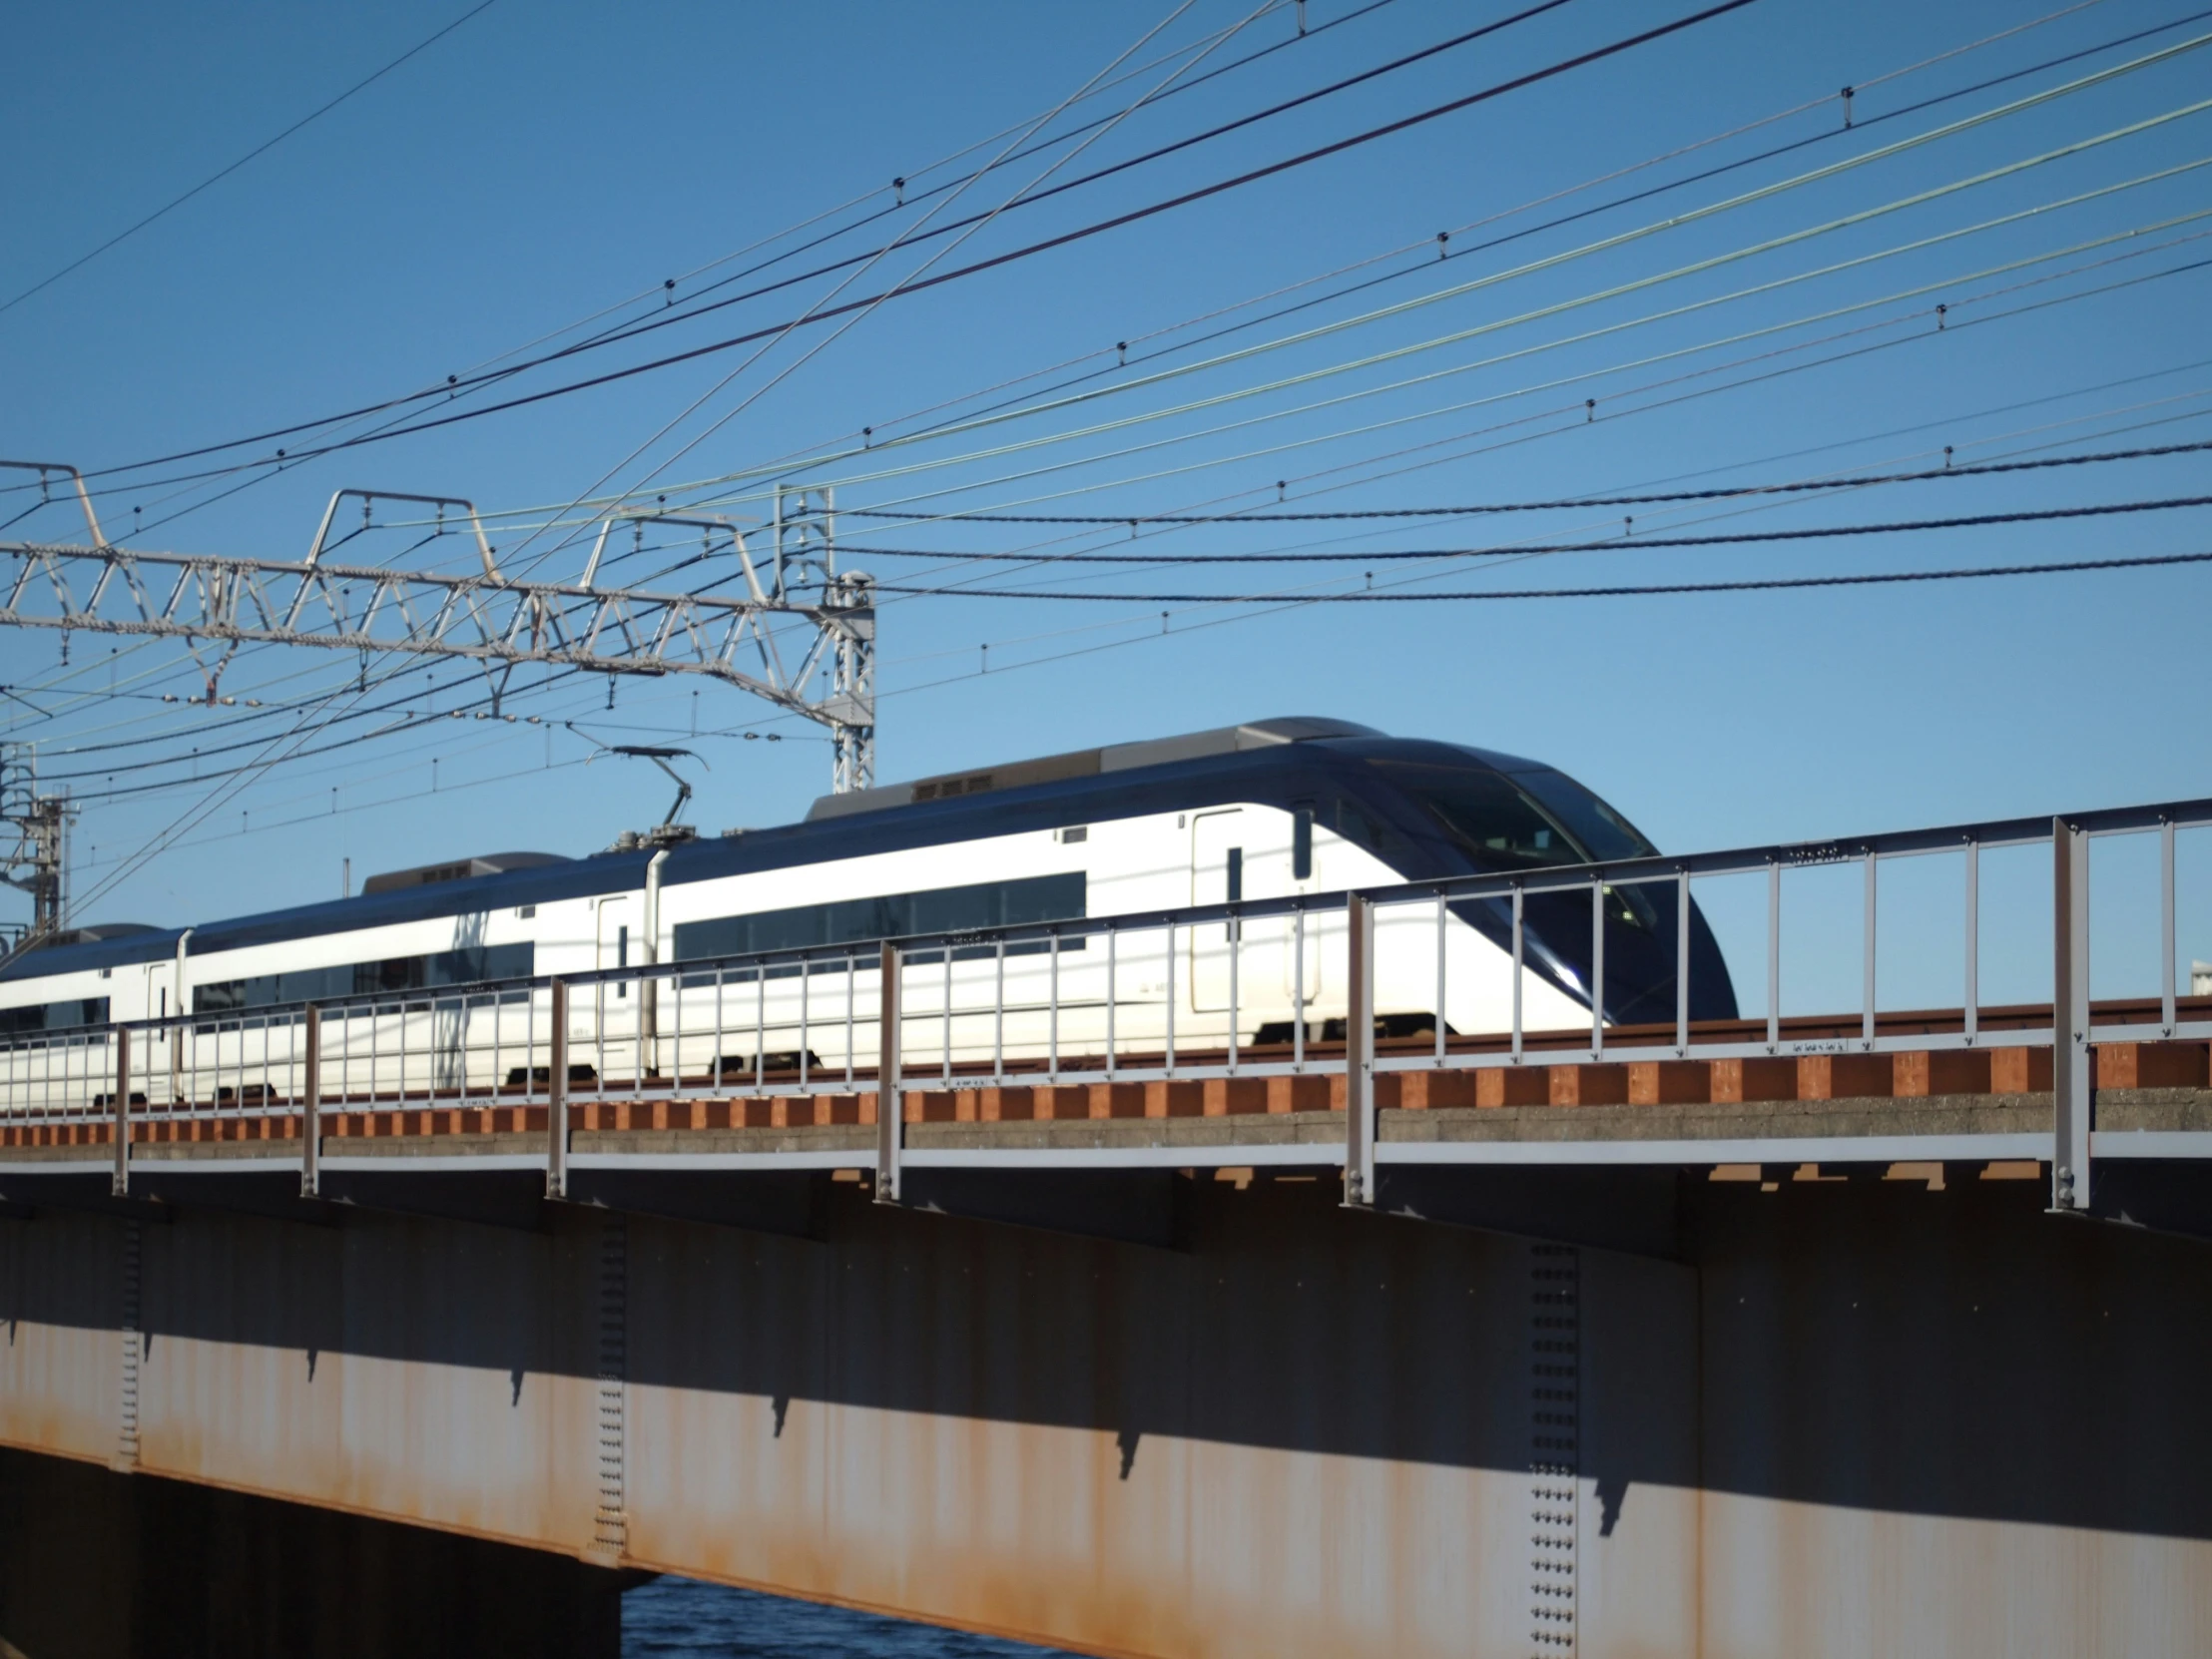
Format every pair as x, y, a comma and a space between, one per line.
806, 532
38, 861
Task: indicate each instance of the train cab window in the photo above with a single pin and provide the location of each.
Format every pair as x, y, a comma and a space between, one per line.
1302, 845
1592, 823
1487, 815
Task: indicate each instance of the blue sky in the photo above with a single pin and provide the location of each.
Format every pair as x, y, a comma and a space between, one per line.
544, 161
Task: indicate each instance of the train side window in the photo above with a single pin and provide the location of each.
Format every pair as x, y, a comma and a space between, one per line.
1236, 873
1302, 845
466, 966
53, 1016
1035, 898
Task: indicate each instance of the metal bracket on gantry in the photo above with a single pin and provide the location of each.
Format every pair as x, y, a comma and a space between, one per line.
497, 675
49, 470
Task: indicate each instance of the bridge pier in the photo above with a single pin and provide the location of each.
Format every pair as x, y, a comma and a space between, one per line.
96, 1565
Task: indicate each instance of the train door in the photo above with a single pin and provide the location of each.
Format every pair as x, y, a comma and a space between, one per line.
1216, 878
616, 1005
618, 938
161, 1058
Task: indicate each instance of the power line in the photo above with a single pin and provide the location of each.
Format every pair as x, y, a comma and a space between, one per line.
975, 223
1149, 620
1442, 251
1616, 290
1580, 411
1155, 154
1747, 585
1965, 521
1062, 240
1117, 519
691, 309
1860, 126
258, 150
1442, 240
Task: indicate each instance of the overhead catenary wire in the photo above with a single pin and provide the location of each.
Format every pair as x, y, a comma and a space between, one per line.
1621, 289
491, 373
258, 150
1436, 250
463, 384
860, 312
1473, 509
1603, 245
906, 186
1865, 123
1628, 590
458, 386
1711, 391
1861, 126
1613, 544
994, 262
1577, 411
1148, 620
1916, 199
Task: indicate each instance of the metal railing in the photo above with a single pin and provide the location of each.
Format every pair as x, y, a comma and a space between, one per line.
1255, 989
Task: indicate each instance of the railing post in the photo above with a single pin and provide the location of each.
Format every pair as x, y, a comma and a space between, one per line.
1773, 956
2167, 1017
556, 1095
1868, 957
311, 1104
1360, 1052
1970, 999
891, 1126
2069, 1055
1597, 968
1520, 951
122, 1181
1682, 964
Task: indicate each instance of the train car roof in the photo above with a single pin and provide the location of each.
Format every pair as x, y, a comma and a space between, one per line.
1281, 761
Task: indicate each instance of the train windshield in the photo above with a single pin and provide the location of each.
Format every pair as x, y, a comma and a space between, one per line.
1597, 825
1492, 819
1531, 819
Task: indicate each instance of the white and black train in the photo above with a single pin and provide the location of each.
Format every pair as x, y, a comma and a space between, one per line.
1269, 809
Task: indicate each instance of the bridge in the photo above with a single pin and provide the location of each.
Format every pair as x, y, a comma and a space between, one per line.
444, 1313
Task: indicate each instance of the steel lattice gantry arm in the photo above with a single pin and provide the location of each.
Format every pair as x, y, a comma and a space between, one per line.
484, 617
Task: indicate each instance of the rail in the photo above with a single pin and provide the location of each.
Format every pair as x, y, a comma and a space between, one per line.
1350, 986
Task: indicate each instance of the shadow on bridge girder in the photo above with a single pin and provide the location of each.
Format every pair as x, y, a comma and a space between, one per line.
2158, 1195
1632, 1209
514, 1199
1139, 1205
88, 1192
271, 1192
791, 1204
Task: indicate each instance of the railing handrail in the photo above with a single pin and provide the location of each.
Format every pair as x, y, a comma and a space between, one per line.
1983, 835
